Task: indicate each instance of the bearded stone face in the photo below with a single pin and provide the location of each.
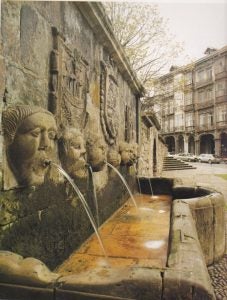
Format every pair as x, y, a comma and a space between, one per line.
96, 154
33, 143
72, 153
128, 153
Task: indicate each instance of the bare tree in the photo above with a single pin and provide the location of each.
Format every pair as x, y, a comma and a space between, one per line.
144, 35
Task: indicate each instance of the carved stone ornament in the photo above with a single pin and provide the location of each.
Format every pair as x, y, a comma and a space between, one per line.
68, 85
96, 152
72, 152
129, 153
109, 95
29, 139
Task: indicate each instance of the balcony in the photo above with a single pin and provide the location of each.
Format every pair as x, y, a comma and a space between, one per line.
204, 104
221, 99
221, 124
189, 107
200, 84
205, 127
179, 128
190, 128
221, 75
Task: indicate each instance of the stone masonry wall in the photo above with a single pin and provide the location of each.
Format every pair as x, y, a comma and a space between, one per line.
35, 36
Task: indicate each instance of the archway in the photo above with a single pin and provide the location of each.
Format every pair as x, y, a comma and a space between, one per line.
191, 144
224, 144
170, 141
180, 144
207, 143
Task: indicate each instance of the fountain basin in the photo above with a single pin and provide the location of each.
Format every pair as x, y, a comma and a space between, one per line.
143, 264
207, 208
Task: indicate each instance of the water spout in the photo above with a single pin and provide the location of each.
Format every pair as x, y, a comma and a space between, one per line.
95, 195
125, 183
84, 203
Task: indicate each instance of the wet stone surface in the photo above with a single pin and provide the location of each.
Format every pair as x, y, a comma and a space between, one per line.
218, 274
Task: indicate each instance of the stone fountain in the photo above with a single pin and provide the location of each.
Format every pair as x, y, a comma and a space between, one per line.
72, 100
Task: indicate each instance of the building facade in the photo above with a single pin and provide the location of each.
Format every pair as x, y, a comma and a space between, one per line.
191, 104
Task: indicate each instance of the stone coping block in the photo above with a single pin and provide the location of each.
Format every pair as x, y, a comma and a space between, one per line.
207, 208
187, 271
133, 283
21, 292
15, 269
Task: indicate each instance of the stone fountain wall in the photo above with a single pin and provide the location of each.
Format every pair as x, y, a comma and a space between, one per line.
63, 57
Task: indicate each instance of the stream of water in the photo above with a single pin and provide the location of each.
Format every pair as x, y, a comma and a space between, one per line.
95, 196
84, 203
125, 183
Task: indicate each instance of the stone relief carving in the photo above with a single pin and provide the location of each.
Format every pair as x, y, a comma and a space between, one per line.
68, 85
114, 157
109, 103
29, 138
128, 124
96, 153
129, 153
72, 152
25, 271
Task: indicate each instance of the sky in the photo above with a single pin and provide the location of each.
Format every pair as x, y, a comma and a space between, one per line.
198, 24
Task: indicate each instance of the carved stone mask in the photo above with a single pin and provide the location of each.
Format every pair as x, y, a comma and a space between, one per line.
114, 158
128, 154
72, 153
96, 153
30, 134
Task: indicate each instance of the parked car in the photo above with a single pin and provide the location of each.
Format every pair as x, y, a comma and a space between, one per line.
209, 158
186, 156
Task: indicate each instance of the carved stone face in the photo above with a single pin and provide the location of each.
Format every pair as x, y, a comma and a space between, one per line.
33, 143
96, 154
72, 153
128, 154
114, 158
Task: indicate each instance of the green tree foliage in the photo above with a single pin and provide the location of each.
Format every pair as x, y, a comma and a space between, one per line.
144, 35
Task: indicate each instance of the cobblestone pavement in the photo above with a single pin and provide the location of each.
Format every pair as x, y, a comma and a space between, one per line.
205, 175
218, 275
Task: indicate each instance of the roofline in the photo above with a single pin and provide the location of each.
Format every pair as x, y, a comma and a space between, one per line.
96, 17
184, 68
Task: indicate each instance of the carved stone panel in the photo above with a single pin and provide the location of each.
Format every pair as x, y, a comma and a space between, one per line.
109, 94
68, 86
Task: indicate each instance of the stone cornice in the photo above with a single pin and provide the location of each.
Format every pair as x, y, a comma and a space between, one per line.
96, 17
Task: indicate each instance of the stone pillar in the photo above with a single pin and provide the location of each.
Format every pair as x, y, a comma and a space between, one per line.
176, 144
197, 146
217, 147
186, 144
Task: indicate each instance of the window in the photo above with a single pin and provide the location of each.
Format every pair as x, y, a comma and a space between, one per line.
209, 73
201, 96
210, 119
219, 65
179, 120
200, 76
222, 113
171, 124
188, 98
202, 119
189, 119
188, 78
209, 93
171, 106
221, 87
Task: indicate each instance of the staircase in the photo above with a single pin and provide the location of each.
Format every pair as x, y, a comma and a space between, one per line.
171, 164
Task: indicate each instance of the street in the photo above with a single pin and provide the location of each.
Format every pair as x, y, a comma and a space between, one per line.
204, 175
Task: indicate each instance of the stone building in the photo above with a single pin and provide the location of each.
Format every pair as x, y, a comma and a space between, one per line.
191, 102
